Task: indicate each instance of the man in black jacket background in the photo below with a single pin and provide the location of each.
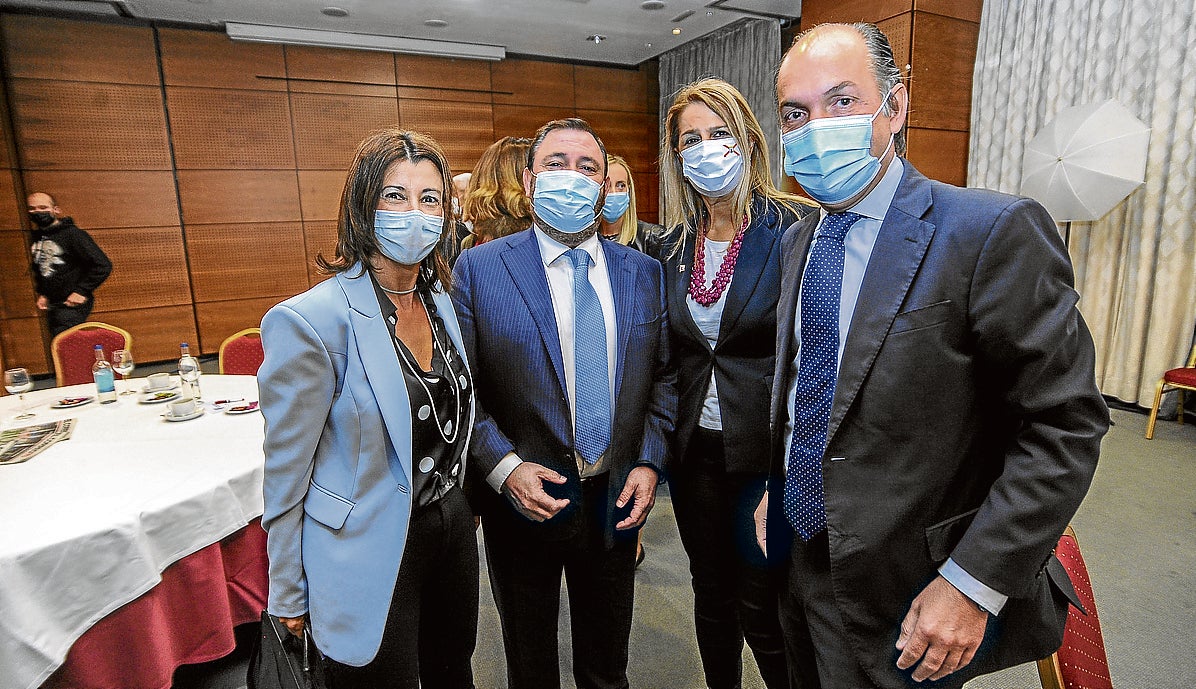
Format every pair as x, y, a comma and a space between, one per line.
67, 264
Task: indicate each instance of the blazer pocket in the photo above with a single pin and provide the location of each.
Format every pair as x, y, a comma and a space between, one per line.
921, 317
326, 507
1057, 574
942, 537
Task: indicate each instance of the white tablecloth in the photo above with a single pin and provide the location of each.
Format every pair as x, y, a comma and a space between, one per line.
90, 523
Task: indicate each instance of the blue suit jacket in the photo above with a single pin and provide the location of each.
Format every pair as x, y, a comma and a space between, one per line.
507, 322
966, 421
338, 461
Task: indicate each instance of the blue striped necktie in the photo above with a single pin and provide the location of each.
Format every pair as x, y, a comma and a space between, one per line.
821, 290
591, 377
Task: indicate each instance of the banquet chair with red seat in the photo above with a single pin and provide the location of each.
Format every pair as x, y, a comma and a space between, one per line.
1175, 380
73, 350
241, 353
1080, 663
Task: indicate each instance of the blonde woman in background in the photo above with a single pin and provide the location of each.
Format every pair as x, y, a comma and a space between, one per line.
495, 201
619, 219
722, 281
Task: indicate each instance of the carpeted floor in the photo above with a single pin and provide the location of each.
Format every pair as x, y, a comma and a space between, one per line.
1137, 529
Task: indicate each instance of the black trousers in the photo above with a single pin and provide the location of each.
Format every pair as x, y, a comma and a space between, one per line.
525, 576
735, 592
433, 622
61, 317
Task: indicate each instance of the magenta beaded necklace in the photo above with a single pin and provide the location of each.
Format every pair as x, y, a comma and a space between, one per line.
708, 295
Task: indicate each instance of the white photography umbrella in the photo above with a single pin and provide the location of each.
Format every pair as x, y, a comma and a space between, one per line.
1086, 161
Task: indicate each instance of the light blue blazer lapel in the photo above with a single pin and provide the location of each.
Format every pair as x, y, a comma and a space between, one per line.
622, 287
900, 247
376, 350
526, 267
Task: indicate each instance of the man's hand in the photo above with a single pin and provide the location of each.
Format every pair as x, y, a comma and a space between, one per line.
42, 303
294, 625
943, 628
760, 516
525, 489
75, 299
640, 487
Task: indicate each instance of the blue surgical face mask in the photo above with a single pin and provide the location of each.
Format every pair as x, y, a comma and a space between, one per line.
407, 237
713, 166
565, 200
616, 205
831, 157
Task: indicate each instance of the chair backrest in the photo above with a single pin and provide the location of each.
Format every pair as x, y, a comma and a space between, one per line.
1080, 663
1191, 357
73, 350
241, 353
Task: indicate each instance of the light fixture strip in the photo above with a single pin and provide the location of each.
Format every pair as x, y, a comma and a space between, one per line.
263, 33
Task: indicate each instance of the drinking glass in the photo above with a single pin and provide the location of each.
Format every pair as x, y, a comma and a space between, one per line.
122, 362
18, 382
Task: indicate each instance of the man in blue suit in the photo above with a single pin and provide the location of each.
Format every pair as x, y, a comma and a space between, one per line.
935, 417
567, 336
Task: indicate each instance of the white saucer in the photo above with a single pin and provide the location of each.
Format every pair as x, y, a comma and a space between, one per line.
154, 398
186, 417
240, 408
146, 390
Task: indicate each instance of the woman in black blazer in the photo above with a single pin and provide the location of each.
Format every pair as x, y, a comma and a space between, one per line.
722, 277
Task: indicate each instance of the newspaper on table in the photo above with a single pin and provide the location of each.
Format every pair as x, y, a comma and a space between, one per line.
21, 444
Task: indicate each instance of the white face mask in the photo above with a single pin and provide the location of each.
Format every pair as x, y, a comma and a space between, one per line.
406, 237
713, 166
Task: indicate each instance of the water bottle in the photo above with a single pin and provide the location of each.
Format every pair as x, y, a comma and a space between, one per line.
188, 372
101, 371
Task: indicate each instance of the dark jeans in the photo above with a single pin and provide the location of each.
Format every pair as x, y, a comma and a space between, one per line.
525, 575
60, 317
735, 593
433, 622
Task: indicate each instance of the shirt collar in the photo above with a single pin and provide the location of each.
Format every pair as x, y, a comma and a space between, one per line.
876, 204
551, 249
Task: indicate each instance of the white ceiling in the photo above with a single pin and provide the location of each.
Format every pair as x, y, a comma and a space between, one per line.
541, 28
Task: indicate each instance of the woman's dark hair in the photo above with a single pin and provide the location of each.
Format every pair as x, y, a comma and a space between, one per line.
355, 241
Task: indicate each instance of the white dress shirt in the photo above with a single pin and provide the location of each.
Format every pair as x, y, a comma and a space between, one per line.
858, 244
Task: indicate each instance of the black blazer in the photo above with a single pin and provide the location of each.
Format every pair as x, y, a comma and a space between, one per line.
743, 358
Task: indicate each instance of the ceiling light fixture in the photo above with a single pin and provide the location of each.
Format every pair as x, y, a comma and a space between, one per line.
335, 12
436, 23
263, 33
596, 38
652, 5
676, 30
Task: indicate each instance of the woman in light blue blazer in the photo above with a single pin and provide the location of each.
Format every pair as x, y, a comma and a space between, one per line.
368, 404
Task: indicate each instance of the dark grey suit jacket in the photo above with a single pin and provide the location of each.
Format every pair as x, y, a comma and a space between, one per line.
966, 421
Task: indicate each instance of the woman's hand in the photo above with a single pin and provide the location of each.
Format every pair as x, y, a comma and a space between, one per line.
294, 625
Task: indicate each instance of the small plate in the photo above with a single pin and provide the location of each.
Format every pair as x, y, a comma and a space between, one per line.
146, 390
186, 417
242, 408
159, 397
68, 402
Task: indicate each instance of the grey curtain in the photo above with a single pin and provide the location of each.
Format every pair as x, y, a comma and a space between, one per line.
745, 55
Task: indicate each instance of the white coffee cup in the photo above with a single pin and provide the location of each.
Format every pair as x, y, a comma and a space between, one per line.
183, 407
157, 381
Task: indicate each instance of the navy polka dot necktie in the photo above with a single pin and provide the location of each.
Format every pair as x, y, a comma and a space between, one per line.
821, 289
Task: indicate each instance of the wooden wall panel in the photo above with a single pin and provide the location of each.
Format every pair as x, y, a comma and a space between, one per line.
328, 127
531, 82
12, 202
81, 126
463, 130
156, 331
238, 196
103, 199
968, 10
631, 135
609, 88
21, 339
940, 154
149, 268
212, 59
16, 283
229, 262
458, 80
330, 70
523, 120
47, 48
320, 238
943, 58
899, 30
223, 129
647, 195
219, 319
815, 12
320, 193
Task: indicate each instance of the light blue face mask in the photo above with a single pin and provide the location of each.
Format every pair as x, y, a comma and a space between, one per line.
616, 205
831, 157
565, 200
407, 237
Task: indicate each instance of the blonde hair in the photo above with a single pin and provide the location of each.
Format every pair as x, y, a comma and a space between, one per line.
629, 223
494, 200
681, 200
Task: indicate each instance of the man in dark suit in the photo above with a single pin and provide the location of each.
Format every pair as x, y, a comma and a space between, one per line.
575, 401
935, 416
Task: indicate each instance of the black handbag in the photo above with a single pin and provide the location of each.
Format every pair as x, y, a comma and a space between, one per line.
280, 660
